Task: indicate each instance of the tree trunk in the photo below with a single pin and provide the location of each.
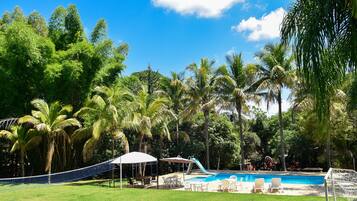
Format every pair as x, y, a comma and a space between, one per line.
239, 110
177, 132
282, 140
22, 155
206, 114
113, 158
51, 149
140, 150
219, 161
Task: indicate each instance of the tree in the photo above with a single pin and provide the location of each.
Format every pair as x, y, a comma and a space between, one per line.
104, 114
22, 140
51, 120
38, 23
233, 86
73, 25
149, 112
56, 27
18, 15
175, 90
322, 32
99, 32
275, 74
201, 93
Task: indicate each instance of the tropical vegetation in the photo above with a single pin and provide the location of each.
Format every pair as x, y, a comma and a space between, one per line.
76, 108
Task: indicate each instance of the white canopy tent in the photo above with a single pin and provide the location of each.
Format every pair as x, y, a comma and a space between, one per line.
179, 160
133, 158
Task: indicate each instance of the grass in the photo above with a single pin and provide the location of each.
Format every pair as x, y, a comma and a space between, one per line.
91, 192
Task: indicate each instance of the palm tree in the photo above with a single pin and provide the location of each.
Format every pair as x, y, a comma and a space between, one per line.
150, 111
320, 30
201, 94
274, 74
233, 85
175, 89
51, 120
104, 113
22, 140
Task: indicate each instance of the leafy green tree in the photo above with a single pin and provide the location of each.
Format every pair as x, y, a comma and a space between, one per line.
73, 25
275, 73
56, 27
18, 15
233, 86
38, 23
99, 32
201, 93
51, 120
22, 140
24, 56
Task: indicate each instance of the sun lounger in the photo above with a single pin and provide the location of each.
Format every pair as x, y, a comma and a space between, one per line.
188, 186
258, 185
225, 185
275, 185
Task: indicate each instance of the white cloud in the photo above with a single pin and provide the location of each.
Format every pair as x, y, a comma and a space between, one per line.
201, 8
267, 27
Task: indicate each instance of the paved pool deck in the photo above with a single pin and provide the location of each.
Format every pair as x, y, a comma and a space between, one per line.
247, 187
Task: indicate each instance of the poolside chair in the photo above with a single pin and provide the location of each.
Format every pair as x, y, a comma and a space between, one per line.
132, 182
258, 185
275, 185
202, 187
224, 186
188, 186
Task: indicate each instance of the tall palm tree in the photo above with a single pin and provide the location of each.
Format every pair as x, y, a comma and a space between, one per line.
51, 120
233, 85
175, 89
275, 73
104, 114
22, 140
150, 111
201, 94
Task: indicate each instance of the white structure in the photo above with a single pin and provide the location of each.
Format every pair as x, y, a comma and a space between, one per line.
341, 184
133, 158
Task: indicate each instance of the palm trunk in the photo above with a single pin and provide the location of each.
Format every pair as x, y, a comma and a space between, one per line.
113, 159
177, 132
51, 148
206, 114
22, 156
140, 150
282, 140
239, 110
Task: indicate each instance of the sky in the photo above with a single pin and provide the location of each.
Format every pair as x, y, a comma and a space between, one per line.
171, 34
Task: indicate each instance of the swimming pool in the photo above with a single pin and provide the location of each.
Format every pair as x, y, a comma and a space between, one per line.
286, 179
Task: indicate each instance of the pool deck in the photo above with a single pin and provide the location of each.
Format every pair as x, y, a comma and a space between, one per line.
247, 187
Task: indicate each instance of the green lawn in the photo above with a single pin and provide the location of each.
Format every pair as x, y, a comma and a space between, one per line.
87, 192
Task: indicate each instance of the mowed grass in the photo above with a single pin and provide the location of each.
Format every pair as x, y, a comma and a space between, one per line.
88, 192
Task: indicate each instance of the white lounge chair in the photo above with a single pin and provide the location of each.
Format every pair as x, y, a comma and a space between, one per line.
258, 185
188, 186
225, 185
275, 185
202, 187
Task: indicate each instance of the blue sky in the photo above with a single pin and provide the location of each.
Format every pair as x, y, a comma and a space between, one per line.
171, 34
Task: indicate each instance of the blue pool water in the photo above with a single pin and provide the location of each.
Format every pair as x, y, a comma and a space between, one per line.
286, 179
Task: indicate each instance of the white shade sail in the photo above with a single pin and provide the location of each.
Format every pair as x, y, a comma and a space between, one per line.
177, 159
134, 157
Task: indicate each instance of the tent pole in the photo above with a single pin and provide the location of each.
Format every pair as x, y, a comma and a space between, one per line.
157, 173
121, 175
